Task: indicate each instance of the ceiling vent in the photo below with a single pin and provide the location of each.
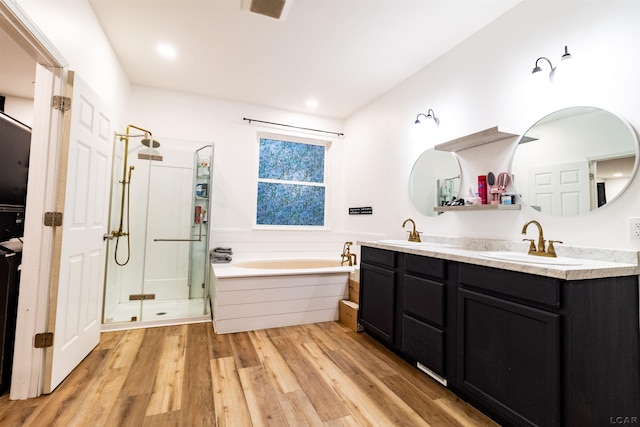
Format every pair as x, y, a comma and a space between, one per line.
277, 9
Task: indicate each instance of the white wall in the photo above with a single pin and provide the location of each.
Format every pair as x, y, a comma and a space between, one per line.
481, 83
20, 109
197, 118
484, 82
74, 30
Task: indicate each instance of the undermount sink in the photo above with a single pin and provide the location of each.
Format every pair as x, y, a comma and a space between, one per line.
402, 243
529, 259
407, 243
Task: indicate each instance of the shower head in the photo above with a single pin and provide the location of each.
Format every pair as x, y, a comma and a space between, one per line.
150, 153
151, 143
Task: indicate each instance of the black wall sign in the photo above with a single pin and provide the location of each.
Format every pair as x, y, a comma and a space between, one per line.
367, 210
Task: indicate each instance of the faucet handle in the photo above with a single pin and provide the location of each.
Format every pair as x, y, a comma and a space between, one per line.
551, 250
532, 245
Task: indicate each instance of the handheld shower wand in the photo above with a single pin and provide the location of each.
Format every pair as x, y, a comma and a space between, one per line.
126, 182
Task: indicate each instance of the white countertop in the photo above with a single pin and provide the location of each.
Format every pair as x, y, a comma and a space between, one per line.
591, 263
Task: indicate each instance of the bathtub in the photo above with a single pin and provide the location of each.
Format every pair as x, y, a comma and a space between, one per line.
260, 294
290, 264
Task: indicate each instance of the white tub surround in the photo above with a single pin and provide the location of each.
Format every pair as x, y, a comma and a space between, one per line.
245, 299
582, 263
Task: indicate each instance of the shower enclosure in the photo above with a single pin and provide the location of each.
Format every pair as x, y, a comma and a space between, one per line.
157, 270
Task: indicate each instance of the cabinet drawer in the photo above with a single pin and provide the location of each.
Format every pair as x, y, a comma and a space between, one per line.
424, 298
378, 257
424, 343
529, 287
424, 266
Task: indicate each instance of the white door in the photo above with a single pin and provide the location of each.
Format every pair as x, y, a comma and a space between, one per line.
560, 189
77, 288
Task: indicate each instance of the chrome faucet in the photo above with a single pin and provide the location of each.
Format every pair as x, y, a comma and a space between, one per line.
540, 250
414, 236
347, 255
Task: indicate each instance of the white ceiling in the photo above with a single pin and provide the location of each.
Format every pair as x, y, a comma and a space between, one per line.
344, 53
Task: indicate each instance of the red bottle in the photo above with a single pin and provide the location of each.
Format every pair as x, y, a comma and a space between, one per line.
482, 188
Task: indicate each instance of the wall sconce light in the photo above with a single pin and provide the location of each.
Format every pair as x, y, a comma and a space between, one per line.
430, 115
537, 69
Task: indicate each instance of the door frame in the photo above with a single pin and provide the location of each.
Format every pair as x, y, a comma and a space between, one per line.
45, 155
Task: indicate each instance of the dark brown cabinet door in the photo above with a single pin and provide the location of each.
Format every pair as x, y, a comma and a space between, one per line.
508, 358
377, 300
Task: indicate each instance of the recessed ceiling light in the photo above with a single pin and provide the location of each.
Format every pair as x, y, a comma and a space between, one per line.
617, 175
312, 103
166, 51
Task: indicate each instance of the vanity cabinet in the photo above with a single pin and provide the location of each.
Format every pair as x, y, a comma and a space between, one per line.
379, 293
423, 311
539, 351
403, 300
528, 350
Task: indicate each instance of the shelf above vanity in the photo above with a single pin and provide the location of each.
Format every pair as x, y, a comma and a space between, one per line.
477, 139
499, 207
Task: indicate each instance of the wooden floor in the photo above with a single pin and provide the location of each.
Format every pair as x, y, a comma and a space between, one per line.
310, 375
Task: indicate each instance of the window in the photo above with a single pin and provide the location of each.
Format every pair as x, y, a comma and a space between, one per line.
291, 182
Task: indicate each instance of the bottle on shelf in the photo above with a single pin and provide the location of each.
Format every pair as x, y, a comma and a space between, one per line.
482, 188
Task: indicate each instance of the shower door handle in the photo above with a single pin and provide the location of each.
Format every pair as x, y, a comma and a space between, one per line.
199, 239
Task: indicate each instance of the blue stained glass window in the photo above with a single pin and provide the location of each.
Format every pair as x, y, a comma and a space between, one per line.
291, 161
291, 189
290, 204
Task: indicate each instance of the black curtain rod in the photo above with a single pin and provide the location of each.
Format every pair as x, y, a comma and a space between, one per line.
296, 127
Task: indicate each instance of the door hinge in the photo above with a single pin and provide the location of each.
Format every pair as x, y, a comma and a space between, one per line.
62, 103
43, 340
53, 219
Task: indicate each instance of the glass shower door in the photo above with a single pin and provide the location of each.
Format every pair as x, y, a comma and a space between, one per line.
167, 274
168, 230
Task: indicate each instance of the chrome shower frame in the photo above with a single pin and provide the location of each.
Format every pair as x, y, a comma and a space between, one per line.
207, 260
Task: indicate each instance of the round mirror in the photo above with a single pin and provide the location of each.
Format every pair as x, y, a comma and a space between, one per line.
434, 180
574, 161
